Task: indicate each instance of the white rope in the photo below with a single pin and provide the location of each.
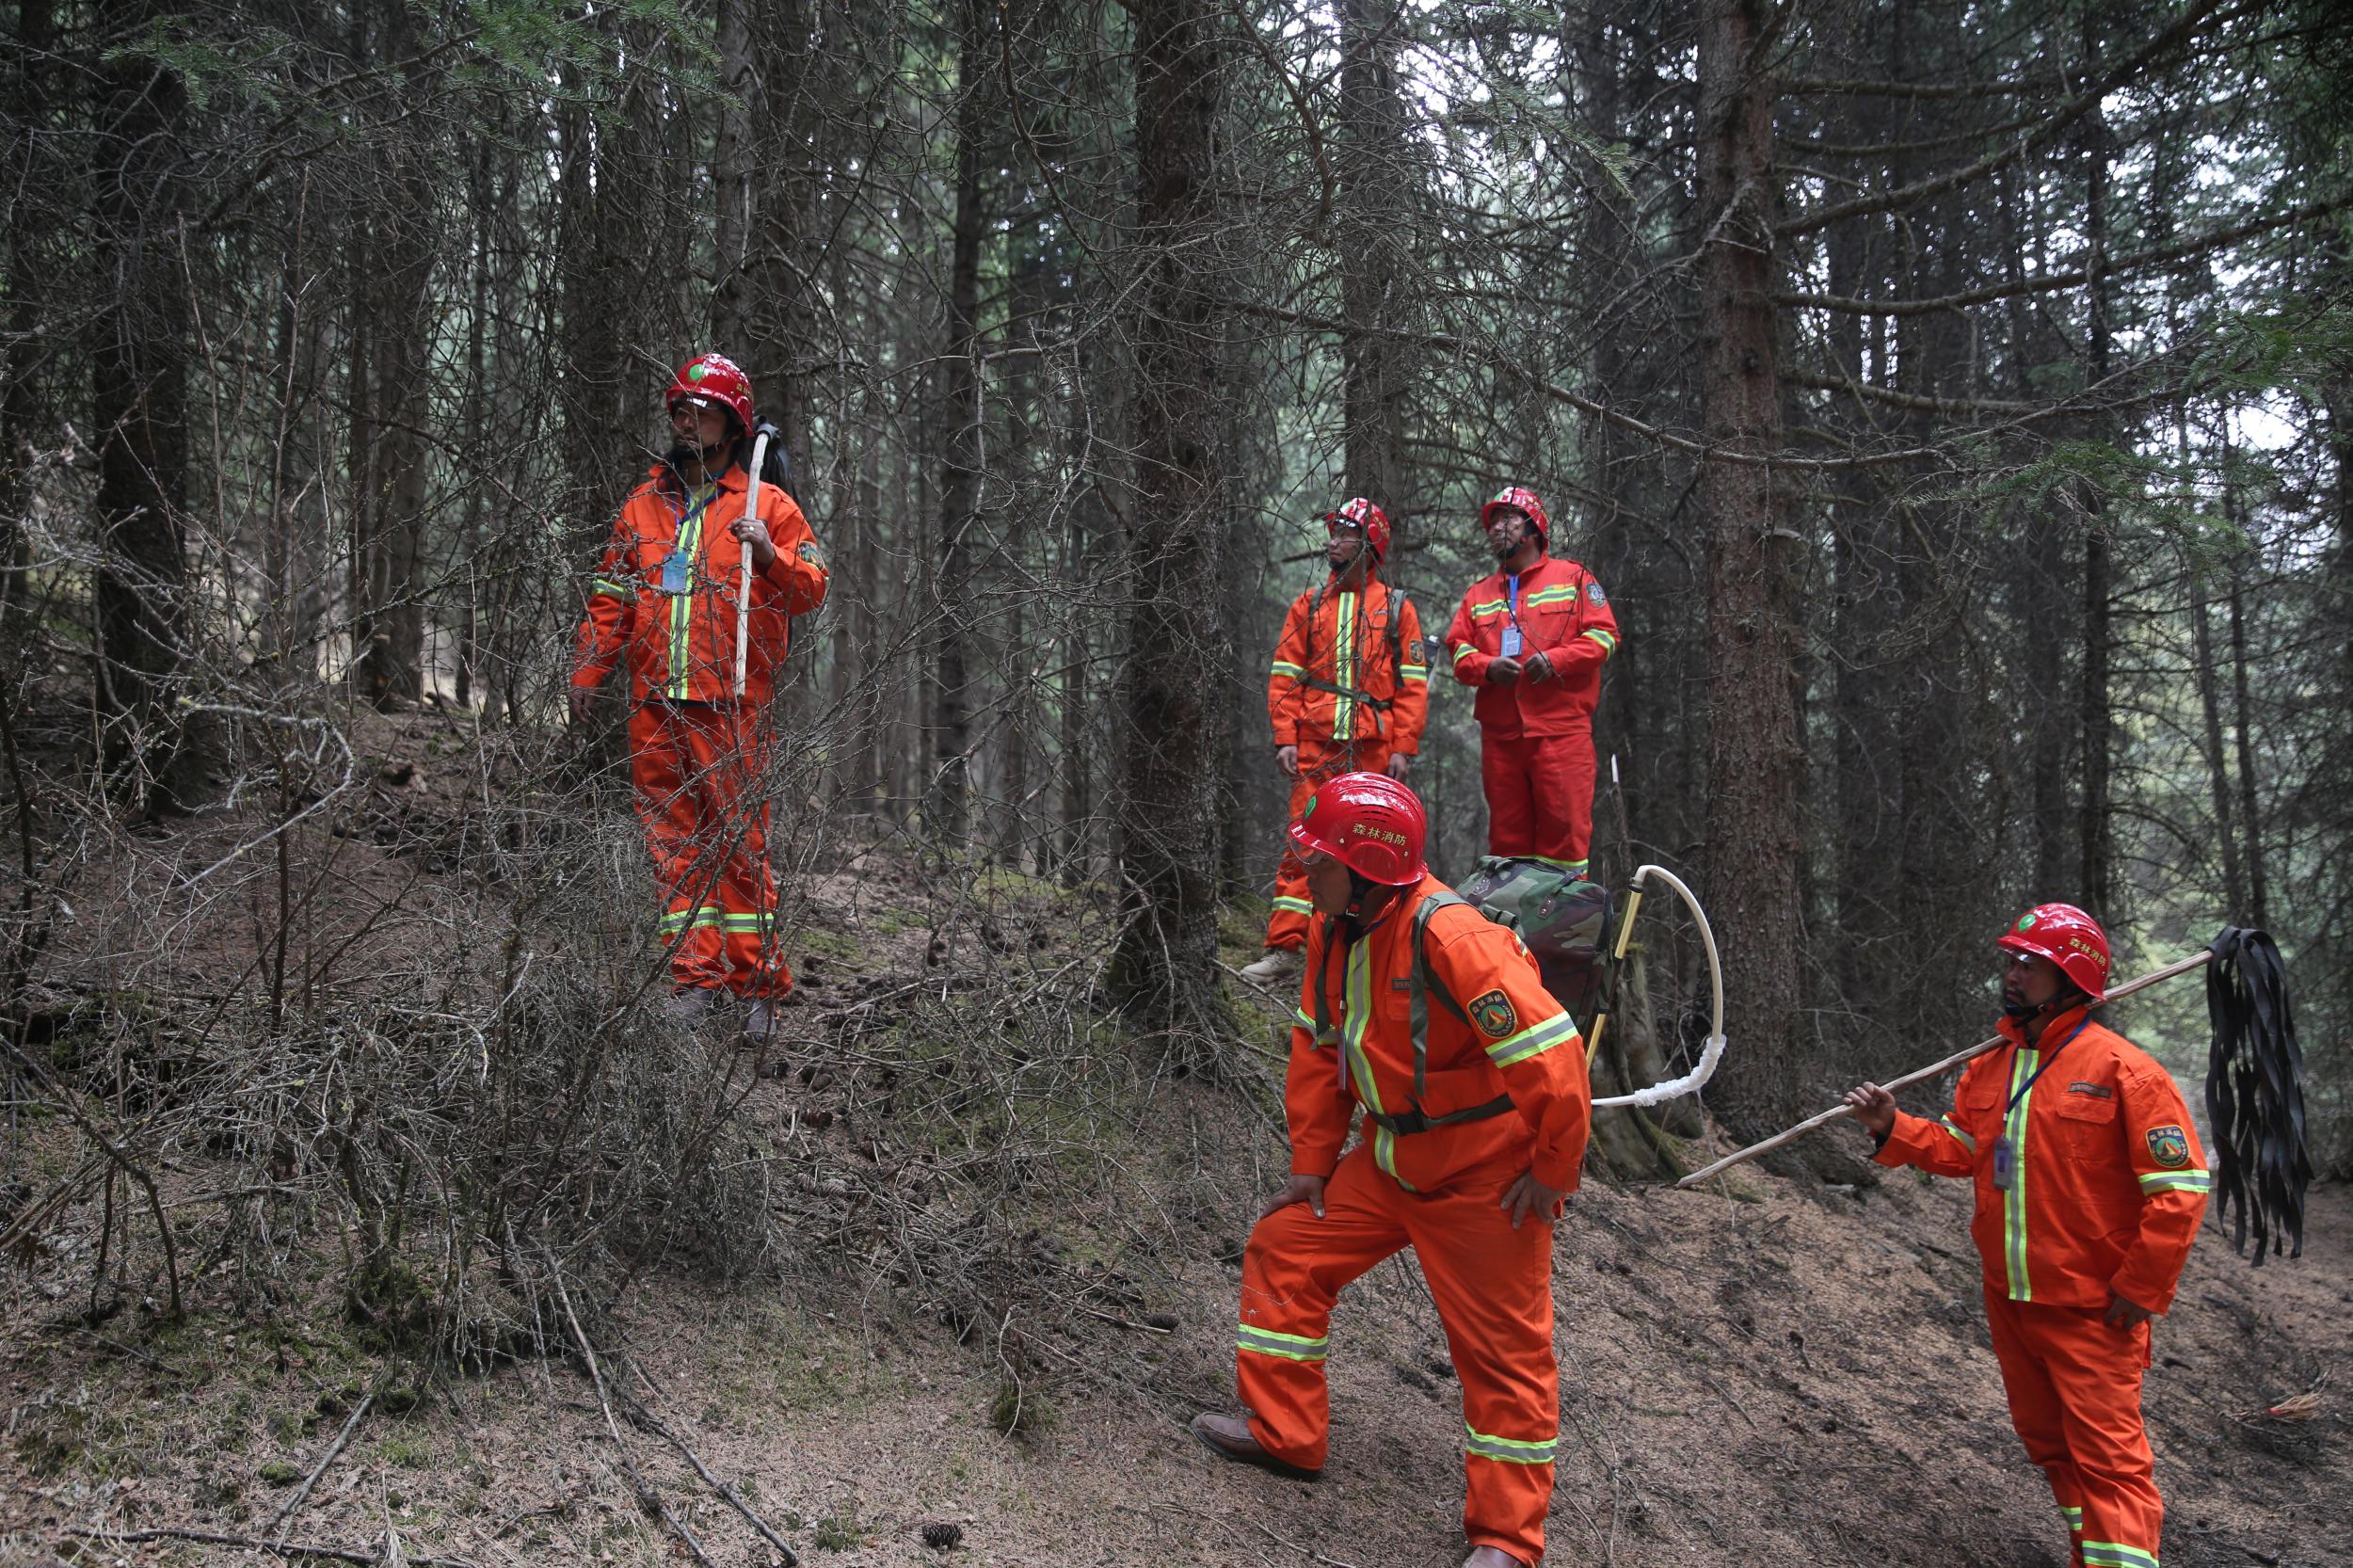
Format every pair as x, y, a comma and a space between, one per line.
1713, 1050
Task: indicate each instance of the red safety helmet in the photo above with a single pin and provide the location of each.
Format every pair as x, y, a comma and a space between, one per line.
1371, 519
1523, 500
2067, 937
712, 379
1368, 822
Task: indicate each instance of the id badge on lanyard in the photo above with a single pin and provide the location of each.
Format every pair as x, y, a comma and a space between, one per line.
2006, 1152
677, 568
1513, 642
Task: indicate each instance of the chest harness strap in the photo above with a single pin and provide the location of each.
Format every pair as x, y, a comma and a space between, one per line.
1380, 705
1424, 981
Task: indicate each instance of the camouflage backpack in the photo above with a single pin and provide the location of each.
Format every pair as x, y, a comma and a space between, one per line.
1561, 918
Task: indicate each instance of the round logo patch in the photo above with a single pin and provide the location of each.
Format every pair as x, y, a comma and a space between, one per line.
695, 372
2168, 1146
1593, 593
1494, 1015
2025, 922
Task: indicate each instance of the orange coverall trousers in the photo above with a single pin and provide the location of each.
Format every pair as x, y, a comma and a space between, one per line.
1319, 760
695, 769
2074, 1398
1492, 1286
1539, 797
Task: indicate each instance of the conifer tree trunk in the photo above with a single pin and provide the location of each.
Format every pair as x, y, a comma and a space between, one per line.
960, 429
1757, 762
1165, 968
395, 284
139, 362
732, 155
2097, 878
1371, 168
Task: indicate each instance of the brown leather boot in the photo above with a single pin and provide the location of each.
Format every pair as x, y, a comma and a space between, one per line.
1492, 1556
1230, 1436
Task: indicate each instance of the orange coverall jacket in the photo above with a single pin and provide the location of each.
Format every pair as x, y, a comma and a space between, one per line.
1563, 615
1341, 637
2111, 1181
682, 646
1515, 1047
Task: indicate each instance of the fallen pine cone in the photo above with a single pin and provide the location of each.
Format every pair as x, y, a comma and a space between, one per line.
943, 1536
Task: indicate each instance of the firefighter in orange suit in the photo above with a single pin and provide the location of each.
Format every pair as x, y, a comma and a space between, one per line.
1349, 692
1476, 1108
2089, 1185
1531, 638
664, 600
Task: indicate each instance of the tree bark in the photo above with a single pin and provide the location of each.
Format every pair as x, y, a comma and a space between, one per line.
733, 154
138, 362
1373, 165
952, 608
1165, 967
388, 577
31, 167
1756, 760
2097, 725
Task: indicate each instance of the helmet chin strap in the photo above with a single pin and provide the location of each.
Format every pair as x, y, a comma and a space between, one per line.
1361, 889
2027, 1011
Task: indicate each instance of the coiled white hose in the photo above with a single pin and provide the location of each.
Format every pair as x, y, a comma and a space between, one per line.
1713, 1050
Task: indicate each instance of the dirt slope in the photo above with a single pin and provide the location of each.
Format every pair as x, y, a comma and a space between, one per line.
1800, 1378
1797, 1374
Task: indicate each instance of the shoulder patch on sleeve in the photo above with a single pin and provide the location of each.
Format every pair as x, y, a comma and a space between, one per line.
2169, 1146
1493, 1014
810, 552
1593, 593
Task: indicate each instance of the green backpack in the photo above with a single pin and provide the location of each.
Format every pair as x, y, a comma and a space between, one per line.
1560, 918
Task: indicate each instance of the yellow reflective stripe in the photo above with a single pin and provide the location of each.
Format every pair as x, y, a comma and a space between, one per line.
1463, 651
690, 542
2022, 1068
606, 588
1344, 668
1417, 674
1492, 607
1290, 1347
1532, 1041
748, 922
680, 920
1511, 1451
1283, 666
2187, 1181
1608, 642
1578, 865
1301, 1017
2114, 1554
1966, 1142
1356, 1010
1296, 905
1549, 595
2075, 1517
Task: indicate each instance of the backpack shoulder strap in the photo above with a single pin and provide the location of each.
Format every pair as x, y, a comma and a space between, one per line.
1425, 981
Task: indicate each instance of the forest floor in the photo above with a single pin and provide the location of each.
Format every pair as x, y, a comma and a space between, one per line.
1774, 1371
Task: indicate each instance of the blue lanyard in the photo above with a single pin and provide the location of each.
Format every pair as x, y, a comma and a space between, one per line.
2027, 1087
687, 516
1512, 587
